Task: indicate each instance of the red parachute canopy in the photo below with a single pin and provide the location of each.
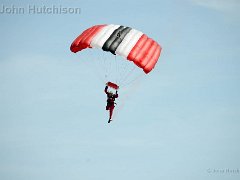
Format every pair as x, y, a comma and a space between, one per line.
124, 41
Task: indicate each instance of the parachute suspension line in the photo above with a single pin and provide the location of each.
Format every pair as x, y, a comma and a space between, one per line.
129, 90
98, 63
127, 70
107, 63
128, 74
116, 69
104, 65
123, 71
110, 69
105, 68
133, 81
94, 69
119, 69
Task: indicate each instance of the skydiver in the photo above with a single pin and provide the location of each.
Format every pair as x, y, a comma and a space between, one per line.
110, 102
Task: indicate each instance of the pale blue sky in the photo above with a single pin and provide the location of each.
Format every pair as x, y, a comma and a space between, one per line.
181, 123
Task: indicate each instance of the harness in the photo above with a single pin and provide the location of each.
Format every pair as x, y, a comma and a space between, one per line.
111, 100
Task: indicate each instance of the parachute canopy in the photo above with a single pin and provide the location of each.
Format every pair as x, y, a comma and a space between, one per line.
120, 40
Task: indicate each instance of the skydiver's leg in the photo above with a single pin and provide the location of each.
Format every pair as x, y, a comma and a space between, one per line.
111, 111
107, 107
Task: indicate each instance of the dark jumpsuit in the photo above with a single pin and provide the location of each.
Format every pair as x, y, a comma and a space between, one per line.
110, 101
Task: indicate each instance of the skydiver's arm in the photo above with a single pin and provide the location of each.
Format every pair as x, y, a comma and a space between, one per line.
116, 94
105, 90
